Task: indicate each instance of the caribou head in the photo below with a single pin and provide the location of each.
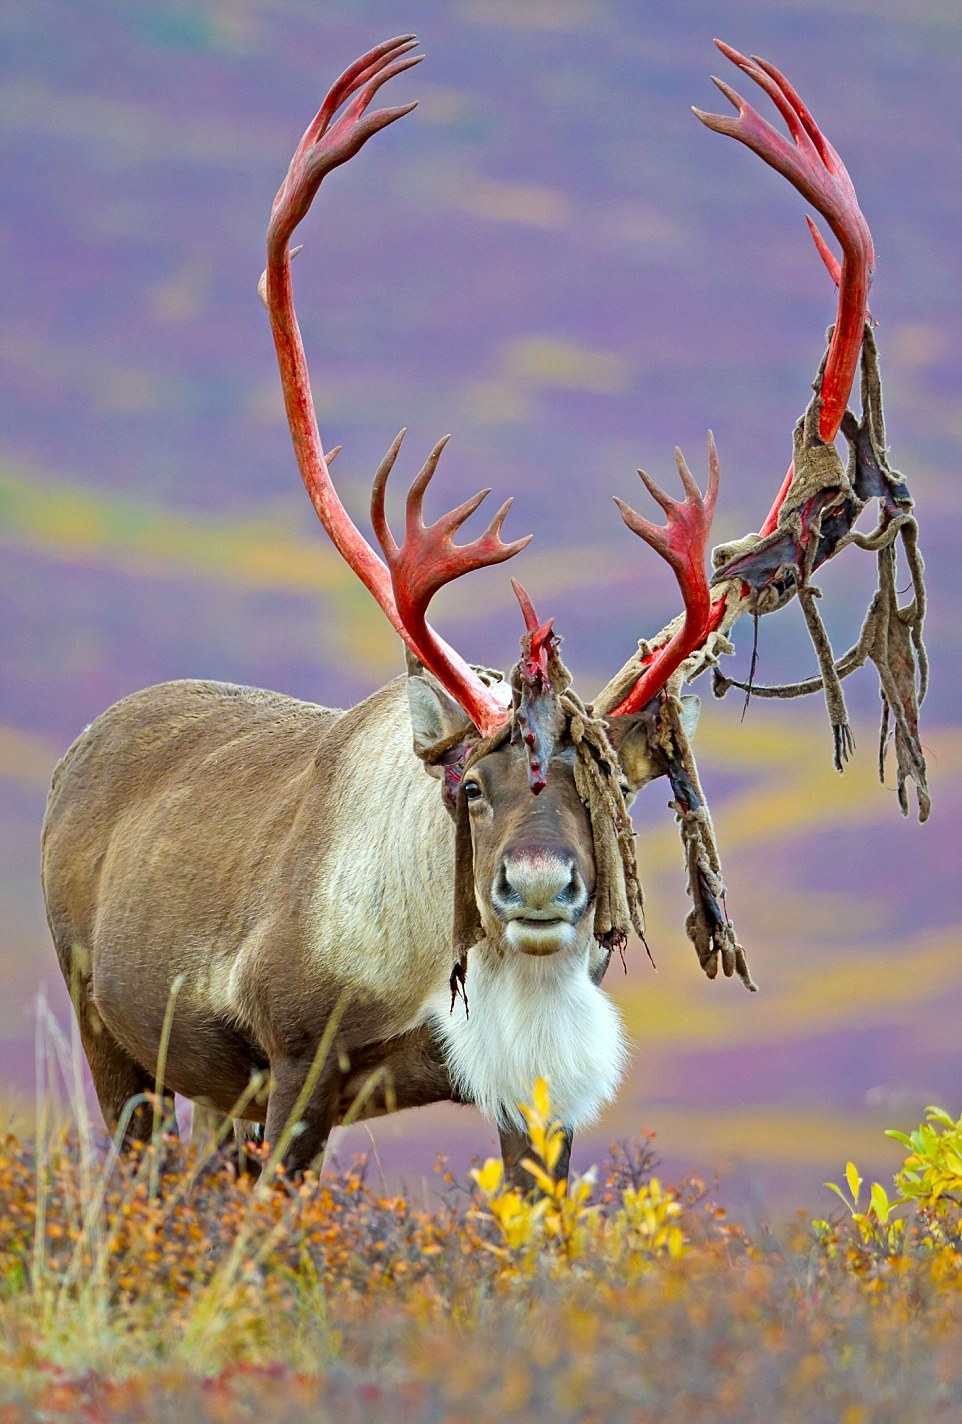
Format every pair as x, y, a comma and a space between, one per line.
537, 781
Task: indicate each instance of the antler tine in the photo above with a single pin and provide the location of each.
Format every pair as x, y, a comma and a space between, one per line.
532, 623
328, 142
488, 548
452, 522
448, 523
378, 516
657, 494
420, 483
714, 476
325, 146
793, 102
688, 523
832, 264
687, 478
427, 560
531, 620
356, 75
382, 117
683, 544
493, 532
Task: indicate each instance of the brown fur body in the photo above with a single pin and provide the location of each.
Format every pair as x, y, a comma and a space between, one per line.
214, 831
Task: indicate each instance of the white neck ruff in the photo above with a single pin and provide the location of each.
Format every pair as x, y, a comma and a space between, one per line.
532, 1017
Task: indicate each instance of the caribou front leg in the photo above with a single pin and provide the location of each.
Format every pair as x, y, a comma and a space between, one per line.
516, 1146
301, 1109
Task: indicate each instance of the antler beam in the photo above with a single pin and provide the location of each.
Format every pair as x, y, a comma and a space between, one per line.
812, 166
428, 559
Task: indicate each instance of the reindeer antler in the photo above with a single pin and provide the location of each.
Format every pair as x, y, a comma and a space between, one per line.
814, 514
811, 165
428, 559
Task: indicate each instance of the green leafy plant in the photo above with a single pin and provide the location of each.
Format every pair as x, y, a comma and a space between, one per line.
929, 1183
931, 1174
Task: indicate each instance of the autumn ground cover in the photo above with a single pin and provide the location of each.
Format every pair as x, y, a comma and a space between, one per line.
169, 1286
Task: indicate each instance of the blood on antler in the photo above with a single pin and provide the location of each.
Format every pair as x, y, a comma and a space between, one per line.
539, 638
537, 682
683, 544
816, 508
811, 519
428, 558
812, 166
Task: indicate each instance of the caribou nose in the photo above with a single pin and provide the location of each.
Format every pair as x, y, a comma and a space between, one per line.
549, 885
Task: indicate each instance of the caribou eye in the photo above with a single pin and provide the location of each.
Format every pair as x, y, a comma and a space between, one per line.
472, 791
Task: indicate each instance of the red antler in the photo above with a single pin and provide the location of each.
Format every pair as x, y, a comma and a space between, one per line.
427, 559
683, 543
425, 562
535, 660
811, 165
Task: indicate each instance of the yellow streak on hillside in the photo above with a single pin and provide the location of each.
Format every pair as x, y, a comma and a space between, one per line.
799, 790
528, 365
831, 976
768, 1134
62, 517
552, 363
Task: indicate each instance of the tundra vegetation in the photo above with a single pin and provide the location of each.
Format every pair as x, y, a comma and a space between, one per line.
167, 1285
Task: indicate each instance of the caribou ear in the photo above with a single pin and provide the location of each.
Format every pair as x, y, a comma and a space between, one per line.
436, 719
440, 726
635, 739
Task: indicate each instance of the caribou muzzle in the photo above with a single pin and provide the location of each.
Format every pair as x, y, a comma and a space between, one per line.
540, 896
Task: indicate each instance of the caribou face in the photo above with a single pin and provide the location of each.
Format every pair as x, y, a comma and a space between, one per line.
534, 870
532, 855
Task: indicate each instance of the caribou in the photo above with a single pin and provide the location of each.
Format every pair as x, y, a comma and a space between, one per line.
417, 899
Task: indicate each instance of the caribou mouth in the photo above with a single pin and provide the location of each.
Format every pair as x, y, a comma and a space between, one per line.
540, 935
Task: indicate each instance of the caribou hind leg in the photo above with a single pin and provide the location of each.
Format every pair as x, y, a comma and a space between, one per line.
124, 1089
